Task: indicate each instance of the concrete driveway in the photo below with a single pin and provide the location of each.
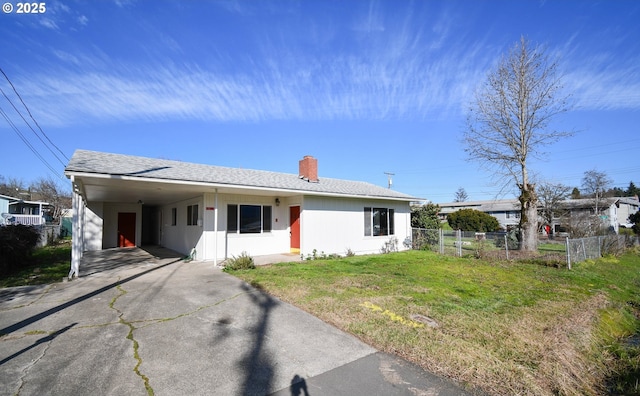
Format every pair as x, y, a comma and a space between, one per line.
145, 322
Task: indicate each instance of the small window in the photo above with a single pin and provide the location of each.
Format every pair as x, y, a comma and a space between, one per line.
232, 218
367, 221
266, 219
174, 216
192, 215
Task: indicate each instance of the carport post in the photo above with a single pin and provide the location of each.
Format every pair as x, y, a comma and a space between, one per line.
215, 229
77, 234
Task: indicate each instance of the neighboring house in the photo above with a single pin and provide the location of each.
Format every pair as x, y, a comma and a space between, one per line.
17, 211
122, 200
614, 212
507, 211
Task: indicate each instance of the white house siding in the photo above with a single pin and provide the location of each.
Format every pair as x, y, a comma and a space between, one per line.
627, 208
336, 225
110, 217
93, 222
234, 244
327, 224
182, 237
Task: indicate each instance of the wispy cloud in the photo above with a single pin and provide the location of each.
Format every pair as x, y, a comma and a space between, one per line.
49, 23
404, 66
605, 82
389, 86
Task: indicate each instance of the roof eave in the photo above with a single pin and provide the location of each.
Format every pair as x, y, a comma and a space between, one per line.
75, 174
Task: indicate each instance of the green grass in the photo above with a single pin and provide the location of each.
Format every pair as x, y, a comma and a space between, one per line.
47, 265
505, 328
552, 247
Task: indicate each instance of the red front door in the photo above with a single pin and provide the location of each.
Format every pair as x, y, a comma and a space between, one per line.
294, 223
126, 229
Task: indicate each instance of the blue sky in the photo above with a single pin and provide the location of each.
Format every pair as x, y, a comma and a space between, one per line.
366, 87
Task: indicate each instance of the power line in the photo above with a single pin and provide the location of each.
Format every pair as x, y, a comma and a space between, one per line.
26, 141
34, 120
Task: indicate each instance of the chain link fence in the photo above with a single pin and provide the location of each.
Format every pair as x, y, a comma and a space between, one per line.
505, 245
466, 243
598, 246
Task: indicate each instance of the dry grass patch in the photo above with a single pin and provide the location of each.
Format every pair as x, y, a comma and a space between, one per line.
503, 328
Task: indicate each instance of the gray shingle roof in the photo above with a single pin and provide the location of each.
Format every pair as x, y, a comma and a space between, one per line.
94, 162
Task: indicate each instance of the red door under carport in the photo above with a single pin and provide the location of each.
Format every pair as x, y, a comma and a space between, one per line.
126, 229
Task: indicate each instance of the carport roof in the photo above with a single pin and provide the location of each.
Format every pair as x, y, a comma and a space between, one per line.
102, 171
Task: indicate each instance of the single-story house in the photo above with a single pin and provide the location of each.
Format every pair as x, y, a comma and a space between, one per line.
19, 211
219, 212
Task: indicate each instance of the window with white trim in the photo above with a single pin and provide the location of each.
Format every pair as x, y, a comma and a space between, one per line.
248, 219
379, 221
192, 215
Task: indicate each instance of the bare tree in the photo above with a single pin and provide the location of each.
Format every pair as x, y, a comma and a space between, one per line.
11, 187
595, 184
49, 191
550, 197
461, 195
509, 120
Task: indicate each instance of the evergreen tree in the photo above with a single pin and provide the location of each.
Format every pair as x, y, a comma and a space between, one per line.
425, 216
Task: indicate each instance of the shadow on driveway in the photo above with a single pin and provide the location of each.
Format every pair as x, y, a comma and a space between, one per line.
34, 318
257, 364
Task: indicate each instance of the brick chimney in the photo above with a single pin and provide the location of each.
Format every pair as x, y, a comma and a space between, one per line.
308, 169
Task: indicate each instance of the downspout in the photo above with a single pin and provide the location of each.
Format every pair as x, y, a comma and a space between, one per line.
215, 228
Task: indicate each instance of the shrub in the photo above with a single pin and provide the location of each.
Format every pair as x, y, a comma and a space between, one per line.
512, 241
635, 218
473, 220
242, 262
17, 242
390, 246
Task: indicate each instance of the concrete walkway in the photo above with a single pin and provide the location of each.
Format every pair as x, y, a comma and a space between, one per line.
145, 322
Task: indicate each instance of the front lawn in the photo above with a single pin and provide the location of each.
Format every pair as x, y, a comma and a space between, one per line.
46, 265
504, 328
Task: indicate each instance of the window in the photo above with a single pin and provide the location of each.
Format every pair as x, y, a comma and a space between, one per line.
248, 219
513, 215
379, 221
192, 215
174, 216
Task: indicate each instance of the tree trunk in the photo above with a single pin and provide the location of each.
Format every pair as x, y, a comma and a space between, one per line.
528, 219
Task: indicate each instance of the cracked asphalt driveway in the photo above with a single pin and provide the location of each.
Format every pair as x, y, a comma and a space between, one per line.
145, 322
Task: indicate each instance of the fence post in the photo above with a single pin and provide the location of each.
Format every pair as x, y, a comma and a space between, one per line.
441, 241
506, 246
568, 254
599, 246
459, 240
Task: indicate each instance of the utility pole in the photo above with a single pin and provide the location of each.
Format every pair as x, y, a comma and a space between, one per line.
389, 179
